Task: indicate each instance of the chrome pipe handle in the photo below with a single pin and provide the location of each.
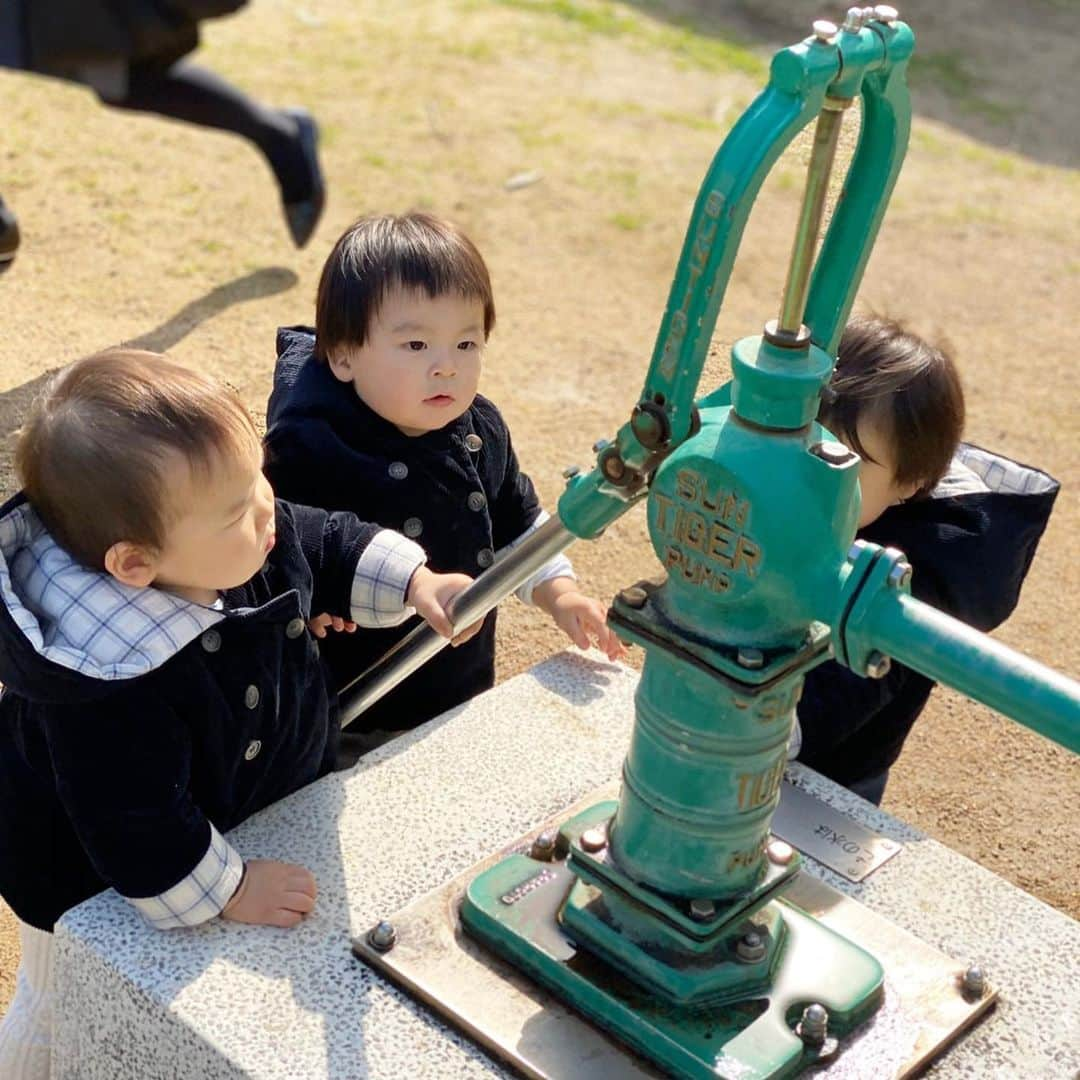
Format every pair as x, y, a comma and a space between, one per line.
508, 573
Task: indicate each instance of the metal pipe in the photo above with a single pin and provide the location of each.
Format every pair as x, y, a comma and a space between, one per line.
494, 585
956, 655
826, 134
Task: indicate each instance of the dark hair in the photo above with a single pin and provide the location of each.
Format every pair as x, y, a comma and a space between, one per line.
383, 252
93, 453
910, 388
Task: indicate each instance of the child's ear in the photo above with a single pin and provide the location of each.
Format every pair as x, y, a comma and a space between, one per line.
340, 364
131, 564
910, 490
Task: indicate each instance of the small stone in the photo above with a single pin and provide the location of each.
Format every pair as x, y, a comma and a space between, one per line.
523, 180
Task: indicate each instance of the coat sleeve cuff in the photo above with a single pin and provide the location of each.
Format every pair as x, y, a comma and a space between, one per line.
382, 579
794, 746
559, 566
201, 895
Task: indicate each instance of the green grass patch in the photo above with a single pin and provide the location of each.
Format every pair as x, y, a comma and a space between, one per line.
788, 179
978, 213
535, 134
921, 139
998, 163
612, 20
479, 51
694, 121
948, 71
628, 222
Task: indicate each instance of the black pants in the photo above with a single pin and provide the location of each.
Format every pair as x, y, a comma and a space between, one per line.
196, 95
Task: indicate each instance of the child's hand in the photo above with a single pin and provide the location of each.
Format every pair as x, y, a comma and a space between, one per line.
581, 618
432, 595
318, 625
272, 894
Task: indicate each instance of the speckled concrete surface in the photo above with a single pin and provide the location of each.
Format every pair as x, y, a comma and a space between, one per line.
229, 1001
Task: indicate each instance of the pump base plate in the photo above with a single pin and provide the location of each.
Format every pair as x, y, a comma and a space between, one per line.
541, 1036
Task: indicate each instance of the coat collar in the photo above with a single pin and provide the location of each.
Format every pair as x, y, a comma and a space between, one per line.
85, 620
305, 386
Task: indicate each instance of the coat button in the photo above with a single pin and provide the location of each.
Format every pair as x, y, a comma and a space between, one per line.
211, 641
252, 751
412, 528
473, 443
294, 628
485, 557
398, 470
477, 500
251, 697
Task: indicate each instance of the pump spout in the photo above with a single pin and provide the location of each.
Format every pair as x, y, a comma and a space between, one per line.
951, 652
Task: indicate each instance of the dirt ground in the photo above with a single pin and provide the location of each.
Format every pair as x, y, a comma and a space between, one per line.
137, 229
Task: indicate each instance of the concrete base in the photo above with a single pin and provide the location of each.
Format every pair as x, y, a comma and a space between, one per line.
230, 1001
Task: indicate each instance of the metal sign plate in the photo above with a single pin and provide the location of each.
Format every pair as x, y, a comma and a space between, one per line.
829, 837
539, 1036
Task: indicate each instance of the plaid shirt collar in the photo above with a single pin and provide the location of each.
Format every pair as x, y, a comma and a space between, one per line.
85, 620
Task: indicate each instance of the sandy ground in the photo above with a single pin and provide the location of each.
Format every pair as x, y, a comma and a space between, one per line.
137, 229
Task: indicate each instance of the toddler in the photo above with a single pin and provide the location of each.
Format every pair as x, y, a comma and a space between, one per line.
160, 682
377, 407
968, 520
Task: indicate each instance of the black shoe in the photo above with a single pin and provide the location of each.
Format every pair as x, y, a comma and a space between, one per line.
302, 216
9, 237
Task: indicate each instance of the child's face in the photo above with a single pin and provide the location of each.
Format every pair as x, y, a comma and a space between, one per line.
420, 364
877, 478
224, 528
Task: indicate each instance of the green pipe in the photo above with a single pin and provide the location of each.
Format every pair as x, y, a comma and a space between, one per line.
956, 655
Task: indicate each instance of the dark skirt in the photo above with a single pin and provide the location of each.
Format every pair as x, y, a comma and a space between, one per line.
67, 38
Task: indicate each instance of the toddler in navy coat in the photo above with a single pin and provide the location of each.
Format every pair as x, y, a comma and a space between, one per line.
160, 681
968, 520
377, 408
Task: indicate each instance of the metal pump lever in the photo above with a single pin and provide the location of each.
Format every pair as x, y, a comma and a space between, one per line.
486, 592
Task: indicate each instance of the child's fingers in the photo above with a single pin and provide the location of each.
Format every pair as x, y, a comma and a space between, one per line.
607, 641
301, 879
577, 634
301, 902
615, 649
596, 627
468, 633
437, 619
283, 917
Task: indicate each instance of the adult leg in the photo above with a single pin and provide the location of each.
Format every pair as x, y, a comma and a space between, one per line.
26, 1028
286, 137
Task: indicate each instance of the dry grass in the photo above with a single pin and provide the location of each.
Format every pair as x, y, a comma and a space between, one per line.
140, 229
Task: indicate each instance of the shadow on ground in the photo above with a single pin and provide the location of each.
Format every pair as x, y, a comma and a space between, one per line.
1001, 72
16, 403
253, 286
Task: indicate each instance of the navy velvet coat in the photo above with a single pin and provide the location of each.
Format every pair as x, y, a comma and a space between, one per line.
113, 782
458, 492
969, 554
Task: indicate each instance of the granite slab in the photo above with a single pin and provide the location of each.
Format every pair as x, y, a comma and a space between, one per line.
225, 1001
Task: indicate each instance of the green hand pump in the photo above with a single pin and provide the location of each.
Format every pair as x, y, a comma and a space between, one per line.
673, 933
684, 946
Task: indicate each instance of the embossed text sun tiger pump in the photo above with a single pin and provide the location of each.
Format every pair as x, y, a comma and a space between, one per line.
752, 510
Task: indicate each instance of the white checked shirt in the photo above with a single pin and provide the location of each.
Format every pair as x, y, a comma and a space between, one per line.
88, 622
